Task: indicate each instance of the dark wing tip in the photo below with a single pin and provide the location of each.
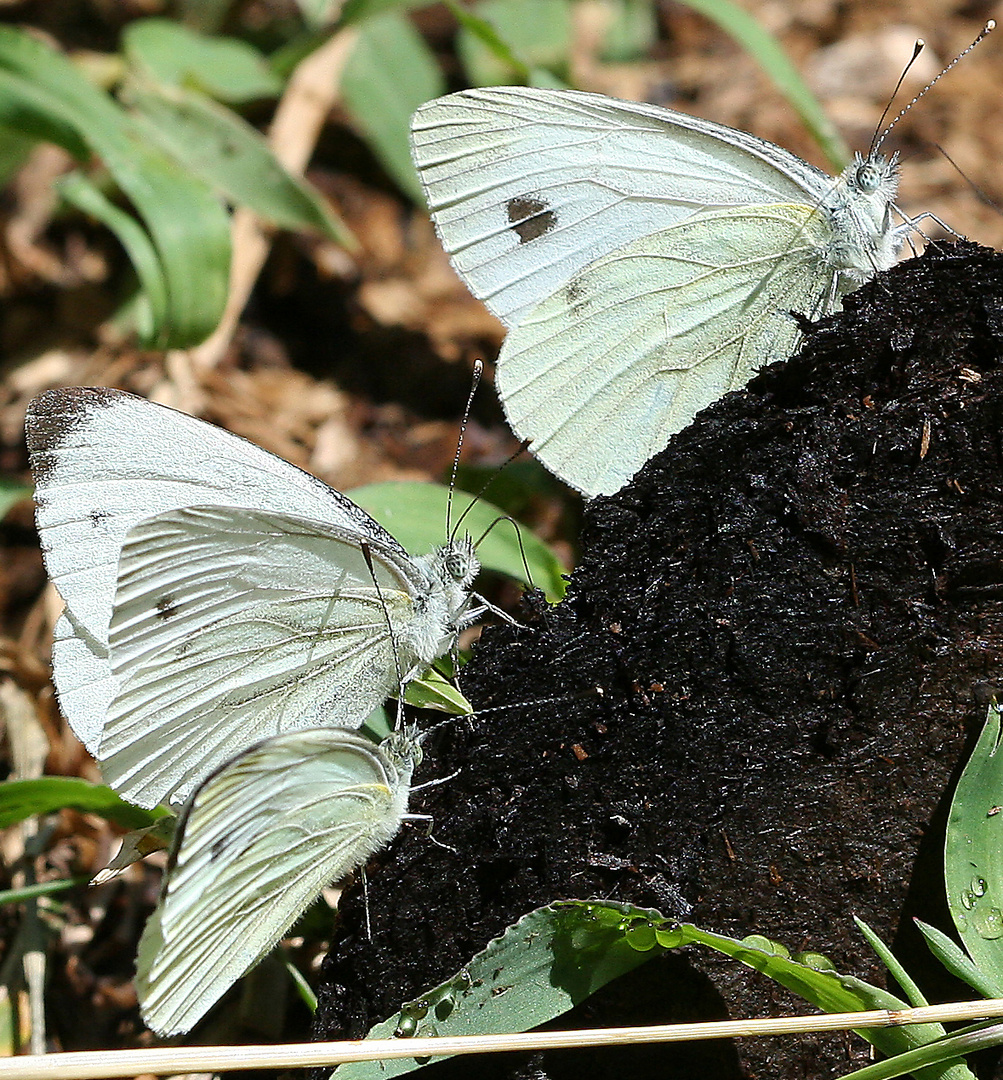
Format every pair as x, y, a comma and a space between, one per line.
56, 413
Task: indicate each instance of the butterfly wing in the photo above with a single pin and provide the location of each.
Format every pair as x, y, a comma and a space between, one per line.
601, 374
231, 625
527, 186
257, 843
103, 461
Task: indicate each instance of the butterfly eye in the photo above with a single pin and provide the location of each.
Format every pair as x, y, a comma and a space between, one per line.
869, 177
458, 560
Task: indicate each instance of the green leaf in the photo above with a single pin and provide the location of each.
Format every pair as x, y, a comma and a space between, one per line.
303, 988
226, 152
632, 30
482, 30
205, 15
45, 888
170, 53
434, 691
934, 1061
895, 969
504, 40
15, 146
356, 11
555, 957
760, 44
957, 962
152, 310
543, 965
390, 72
416, 515
973, 852
20, 799
137, 844
44, 95
11, 492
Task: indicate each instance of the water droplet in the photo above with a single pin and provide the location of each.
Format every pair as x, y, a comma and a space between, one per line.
961, 922
641, 936
406, 1027
968, 899
990, 924
979, 886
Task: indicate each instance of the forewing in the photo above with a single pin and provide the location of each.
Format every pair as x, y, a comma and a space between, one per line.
104, 460
258, 842
601, 374
526, 186
232, 625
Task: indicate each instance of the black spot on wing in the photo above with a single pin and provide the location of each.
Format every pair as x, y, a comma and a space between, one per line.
530, 217
166, 607
97, 516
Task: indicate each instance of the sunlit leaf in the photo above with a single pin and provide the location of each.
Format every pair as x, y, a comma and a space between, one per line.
555, 957
390, 72
226, 152
973, 852
416, 514
20, 799
225, 68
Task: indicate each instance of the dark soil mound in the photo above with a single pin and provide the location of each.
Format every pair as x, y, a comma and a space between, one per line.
768, 665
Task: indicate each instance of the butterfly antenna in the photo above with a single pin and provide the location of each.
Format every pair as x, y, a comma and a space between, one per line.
879, 139
367, 554
474, 383
518, 539
480, 494
980, 193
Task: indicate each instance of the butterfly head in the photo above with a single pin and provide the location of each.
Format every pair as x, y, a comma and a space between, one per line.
875, 175
403, 747
459, 560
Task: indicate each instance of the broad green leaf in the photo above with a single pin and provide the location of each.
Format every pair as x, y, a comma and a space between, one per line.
503, 40
416, 514
20, 799
555, 957
760, 44
435, 691
168, 52
33, 113
44, 95
152, 309
543, 965
631, 31
390, 72
973, 852
318, 13
225, 151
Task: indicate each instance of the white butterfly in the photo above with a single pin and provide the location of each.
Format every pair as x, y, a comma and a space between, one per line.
255, 845
215, 594
644, 261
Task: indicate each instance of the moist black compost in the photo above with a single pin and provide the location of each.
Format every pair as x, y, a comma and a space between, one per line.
772, 656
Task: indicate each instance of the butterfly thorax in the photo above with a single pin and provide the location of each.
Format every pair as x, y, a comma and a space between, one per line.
859, 208
444, 603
